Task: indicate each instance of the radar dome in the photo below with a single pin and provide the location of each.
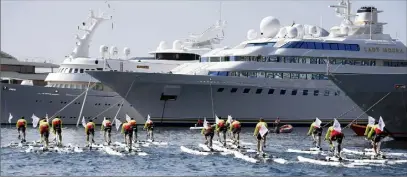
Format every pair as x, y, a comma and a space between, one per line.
126, 51
269, 26
300, 29
113, 50
177, 45
251, 34
282, 32
103, 49
163, 45
313, 30
292, 32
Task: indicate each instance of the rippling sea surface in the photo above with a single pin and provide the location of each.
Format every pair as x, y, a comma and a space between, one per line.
170, 160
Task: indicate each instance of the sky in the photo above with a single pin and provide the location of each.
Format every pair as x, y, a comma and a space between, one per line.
45, 30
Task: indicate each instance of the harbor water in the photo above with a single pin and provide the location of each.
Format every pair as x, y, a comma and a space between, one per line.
171, 161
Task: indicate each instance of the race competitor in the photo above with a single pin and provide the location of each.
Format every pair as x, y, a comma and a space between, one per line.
149, 127
133, 123
90, 129
334, 134
235, 128
260, 132
107, 130
21, 127
316, 131
44, 132
221, 127
376, 134
57, 130
208, 132
127, 130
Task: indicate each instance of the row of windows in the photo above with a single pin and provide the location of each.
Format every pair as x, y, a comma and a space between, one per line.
275, 75
321, 46
76, 86
284, 91
78, 70
64, 102
270, 44
307, 60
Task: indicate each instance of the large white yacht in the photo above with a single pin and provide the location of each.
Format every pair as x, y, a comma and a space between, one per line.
280, 73
66, 95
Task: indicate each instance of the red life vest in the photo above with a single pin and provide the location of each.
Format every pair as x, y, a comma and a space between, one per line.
127, 127
56, 122
44, 128
20, 123
378, 131
108, 124
236, 125
221, 124
89, 126
335, 133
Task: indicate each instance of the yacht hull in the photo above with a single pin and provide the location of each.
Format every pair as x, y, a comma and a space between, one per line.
195, 96
379, 92
22, 100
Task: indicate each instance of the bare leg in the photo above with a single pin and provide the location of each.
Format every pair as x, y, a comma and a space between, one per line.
264, 141
109, 137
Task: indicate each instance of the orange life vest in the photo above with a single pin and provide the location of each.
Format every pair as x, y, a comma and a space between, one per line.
236, 125
108, 124
378, 131
56, 122
44, 128
132, 122
221, 124
335, 133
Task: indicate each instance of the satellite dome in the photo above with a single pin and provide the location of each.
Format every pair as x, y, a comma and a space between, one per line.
282, 32
251, 34
113, 50
126, 51
269, 26
292, 32
163, 45
103, 49
177, 45
300, 29
313, 30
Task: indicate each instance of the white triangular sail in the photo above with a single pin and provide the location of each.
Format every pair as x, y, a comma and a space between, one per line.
230, 119
216, 119
381, 124
148, 118
46, 117
83, 121
263, 130
118, 123
337, 126
104, 121
371, 120
205, 123
9, 118
317, 122
35, 120
128, 118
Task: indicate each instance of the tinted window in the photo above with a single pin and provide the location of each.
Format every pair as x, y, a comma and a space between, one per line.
354, 47
318, 45
347, 47
304, 45
334, 46
294, 92
246, 90
282, 92
305, 92
233, 90
81, 70
298, 44
310, 45
341, 46
316, 92
326, 93
258, 91
271, 91
220, 89
326, 46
